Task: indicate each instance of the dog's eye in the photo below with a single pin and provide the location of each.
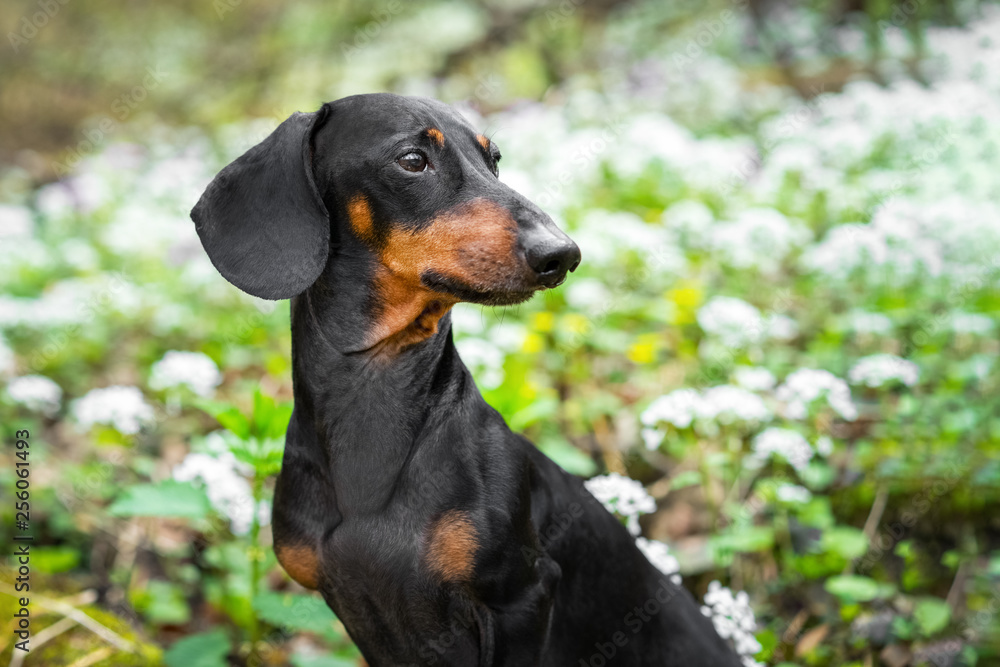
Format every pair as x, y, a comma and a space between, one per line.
495, 154
413, 162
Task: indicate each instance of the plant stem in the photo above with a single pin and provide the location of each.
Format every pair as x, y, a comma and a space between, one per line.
255, 556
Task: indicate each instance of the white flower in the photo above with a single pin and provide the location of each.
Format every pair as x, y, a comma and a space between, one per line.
972, 323
588, 294
734, 321
191, 369
806, 385
623, 496
824, 445
878, 369
679, 408
793, 493
864, 322
15, 221
71, 301
788, 444
727, 404
119, 406
724, 404
758, 238
652, 437
224, 478
659, 555
781, 327
732, 617
755, 378
691, 219
36, 392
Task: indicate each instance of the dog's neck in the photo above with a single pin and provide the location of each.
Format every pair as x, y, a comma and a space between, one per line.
362, 412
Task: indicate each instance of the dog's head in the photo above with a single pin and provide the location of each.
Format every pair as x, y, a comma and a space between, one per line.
406, 183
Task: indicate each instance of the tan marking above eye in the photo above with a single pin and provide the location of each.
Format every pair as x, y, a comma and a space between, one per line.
301, 563
483, 141
359, 212
451, 547
436, 136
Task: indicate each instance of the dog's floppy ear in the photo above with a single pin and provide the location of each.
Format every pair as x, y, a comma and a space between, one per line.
262, 219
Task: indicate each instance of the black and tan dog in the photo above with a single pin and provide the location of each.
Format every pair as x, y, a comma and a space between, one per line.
437, 535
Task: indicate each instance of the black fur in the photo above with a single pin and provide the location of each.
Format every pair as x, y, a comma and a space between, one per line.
380, 447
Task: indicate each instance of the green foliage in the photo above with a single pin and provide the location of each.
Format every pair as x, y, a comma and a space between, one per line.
853, 588
887, 518
207, 649
165, 499
296, 612
931, 615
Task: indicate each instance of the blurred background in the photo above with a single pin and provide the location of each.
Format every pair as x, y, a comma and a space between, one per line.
777, 362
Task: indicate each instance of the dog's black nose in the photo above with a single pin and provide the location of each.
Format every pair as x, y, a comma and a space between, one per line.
552, 259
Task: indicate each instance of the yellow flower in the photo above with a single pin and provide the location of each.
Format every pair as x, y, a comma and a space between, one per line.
574, 323
533, 343
644, 349
543, 321
686, 297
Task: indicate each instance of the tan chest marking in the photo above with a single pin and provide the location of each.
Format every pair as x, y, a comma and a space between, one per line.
301, 563
452, 546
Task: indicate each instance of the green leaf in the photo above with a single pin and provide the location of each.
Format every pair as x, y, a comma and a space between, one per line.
167, 499
263, 410
744, 539
52, 560
853, 588
300, 660
234, 421
208, 649
538, 410
685, 479
162, 602
845, 541
568, 457
299, 612
228, 416
932, 615
263, 455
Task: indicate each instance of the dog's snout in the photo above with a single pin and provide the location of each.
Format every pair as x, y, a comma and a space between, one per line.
552, 258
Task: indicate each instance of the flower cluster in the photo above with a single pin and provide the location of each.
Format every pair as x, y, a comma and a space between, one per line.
754, 378
37, 393
793, 494
224, 479
628, 499
786, 443
193, 370
879, 369
734, 321
733, 618
622, 496
806, 385
121, 407
724, 405
659, 555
